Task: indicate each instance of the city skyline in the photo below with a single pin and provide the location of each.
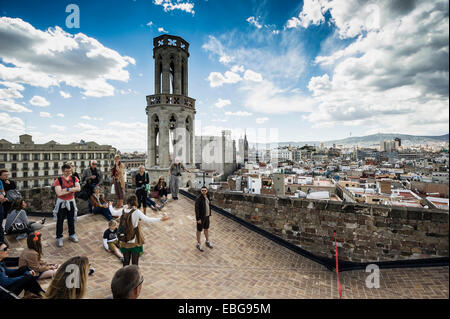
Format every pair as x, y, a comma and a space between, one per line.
312, 70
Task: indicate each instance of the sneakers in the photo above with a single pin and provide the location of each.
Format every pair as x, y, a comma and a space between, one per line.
59, 242
122, 259
21, 236
208, 244
73, 238
199, 247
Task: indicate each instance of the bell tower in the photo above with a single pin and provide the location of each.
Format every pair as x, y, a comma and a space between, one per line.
170, 111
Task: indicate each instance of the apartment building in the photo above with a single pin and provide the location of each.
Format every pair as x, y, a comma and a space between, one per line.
33, 165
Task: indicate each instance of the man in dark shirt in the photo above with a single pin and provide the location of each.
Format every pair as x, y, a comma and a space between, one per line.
202, 213
91, 177
142, 181
7, 185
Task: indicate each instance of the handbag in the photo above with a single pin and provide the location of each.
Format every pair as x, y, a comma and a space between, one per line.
113, 189
13, 194
155, 194
18, 228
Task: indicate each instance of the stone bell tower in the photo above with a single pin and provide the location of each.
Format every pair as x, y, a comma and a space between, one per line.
170, 111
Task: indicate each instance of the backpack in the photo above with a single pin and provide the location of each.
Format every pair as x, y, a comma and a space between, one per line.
13, 194
126, 230
60, 181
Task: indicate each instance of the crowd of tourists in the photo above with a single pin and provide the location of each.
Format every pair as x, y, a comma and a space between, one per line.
124, 236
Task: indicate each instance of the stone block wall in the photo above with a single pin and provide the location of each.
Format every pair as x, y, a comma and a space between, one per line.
365, 233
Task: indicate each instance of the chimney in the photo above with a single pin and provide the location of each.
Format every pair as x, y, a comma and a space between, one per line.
25, 139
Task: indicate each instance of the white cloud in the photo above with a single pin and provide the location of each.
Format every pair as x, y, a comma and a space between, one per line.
45, 115
150, 24
161, 29
52, 57
393, 77
261, 120
215, 47
237, 68
58, 128
170, 5
219, 120
65, 95
10, 106
39, 101
252, 76
11, 127
239, 113
221, 103
312, 13
60, 115
86, 117
218, 79
252, 20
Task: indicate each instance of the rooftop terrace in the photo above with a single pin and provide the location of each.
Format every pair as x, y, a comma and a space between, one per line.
243, 264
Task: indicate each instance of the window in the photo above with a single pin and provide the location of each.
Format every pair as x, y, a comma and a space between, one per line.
25, 157
14, 157
3, 157
14, 175
55, 157
25, 184
55, 165
82, 156
36, 156
46, 183
46, 157
36, 174
46, 165
25, 166
36, 166
25, 174
45, 173
65, 156
2, 165
55, 172
36, 183
14, 166
74, 156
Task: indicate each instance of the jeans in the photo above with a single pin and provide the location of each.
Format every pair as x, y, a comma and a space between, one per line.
174, 185
27, 283
150, 202
104, 211
62, 214
141, 195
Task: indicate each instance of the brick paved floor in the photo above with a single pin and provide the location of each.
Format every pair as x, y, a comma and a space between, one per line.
242, 264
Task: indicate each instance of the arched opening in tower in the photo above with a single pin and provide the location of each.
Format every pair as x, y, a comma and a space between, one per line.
188, 139
182, 77
172, 137
172, 76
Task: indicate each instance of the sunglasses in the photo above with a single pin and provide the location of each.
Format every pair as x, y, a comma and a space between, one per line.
5, 249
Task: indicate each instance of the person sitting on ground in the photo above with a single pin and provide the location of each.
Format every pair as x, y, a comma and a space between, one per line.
99, 204
110, 240
17, 217
17, 280
127, 283
78, 270
131, 238
31, 257
153, 204
161, 188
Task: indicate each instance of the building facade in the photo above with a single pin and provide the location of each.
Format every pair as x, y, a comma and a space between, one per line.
33, 165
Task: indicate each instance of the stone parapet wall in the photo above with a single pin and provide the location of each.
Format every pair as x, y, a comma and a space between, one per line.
365, 233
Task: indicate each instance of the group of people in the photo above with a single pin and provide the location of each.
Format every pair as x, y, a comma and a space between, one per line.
126, 282
123, 237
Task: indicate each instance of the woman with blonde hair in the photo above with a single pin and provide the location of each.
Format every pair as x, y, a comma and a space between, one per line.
73, 287
118, 176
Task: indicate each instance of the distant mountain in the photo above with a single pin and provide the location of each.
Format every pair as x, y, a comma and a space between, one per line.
370, 140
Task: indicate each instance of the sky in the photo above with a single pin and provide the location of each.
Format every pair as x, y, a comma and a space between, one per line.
312, 70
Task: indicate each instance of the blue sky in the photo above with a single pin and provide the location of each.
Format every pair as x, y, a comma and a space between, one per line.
292, 70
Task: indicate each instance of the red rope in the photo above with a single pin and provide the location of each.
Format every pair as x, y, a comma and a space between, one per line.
337, 265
